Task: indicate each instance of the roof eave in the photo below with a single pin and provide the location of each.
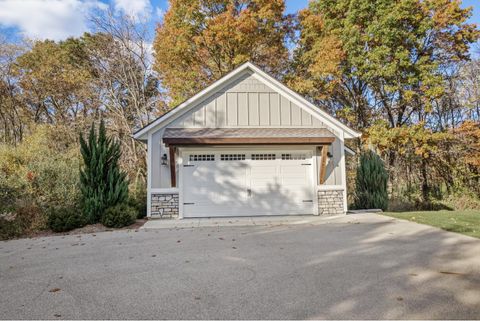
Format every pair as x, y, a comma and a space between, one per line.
349, 132
142, 134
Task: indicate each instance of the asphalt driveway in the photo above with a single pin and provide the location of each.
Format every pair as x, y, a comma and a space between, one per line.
360, 266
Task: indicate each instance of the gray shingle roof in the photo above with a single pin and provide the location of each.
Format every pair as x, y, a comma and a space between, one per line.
247, 133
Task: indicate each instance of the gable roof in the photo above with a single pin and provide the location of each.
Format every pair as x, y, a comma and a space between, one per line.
264, 77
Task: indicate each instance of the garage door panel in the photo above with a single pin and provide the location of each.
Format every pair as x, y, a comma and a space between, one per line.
209, 185
278, 207
259, 172
237, 185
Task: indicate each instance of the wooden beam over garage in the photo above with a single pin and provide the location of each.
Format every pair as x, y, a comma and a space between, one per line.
173, 171
323, 164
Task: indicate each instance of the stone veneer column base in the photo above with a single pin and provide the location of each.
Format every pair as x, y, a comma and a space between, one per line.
164, 205
330, 202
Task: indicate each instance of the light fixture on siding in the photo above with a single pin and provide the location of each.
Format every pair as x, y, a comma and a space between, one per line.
329, 155
164, 160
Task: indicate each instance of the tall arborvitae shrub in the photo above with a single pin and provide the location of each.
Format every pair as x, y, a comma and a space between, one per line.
371, 183
102, 183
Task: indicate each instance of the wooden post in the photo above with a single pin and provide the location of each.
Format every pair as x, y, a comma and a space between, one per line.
323, 164
173, 174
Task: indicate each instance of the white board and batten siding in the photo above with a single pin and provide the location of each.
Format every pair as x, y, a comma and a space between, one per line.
247, 103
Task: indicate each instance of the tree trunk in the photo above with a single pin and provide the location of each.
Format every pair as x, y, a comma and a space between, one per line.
425, 186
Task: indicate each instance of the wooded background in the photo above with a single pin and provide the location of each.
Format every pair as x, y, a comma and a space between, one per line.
400, 71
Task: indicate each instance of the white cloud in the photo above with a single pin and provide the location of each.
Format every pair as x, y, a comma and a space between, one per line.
134, 8
48, 19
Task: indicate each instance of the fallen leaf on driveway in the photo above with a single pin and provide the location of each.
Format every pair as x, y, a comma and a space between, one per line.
399, 298
57, 315
54, 290
221, 238
451, 273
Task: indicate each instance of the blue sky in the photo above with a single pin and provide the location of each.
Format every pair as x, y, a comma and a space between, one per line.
59, 19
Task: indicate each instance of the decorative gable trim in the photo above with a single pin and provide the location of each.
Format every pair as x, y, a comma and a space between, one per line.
251, 69
296, 98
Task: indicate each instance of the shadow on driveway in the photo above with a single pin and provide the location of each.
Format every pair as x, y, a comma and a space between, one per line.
361, 267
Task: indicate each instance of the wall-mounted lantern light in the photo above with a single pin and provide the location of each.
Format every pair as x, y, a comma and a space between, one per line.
329, 155
164, 160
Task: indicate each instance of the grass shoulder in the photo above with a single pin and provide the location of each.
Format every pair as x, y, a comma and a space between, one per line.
465, 222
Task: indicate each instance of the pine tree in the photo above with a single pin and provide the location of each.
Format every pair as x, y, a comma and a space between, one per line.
371, 183
102, 183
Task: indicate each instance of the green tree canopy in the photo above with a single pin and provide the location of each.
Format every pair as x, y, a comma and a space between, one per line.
379, 58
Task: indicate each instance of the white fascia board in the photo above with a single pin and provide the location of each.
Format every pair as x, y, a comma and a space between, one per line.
295, 97
191, 102
349, 151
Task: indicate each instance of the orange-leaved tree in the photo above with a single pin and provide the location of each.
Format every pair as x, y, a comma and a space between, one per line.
199, 41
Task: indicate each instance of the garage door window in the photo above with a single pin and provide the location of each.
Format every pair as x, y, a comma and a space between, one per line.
263, 156
202, 158
293, 156
232, 157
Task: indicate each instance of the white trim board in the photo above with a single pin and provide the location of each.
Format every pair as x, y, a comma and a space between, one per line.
172, 190
330, 187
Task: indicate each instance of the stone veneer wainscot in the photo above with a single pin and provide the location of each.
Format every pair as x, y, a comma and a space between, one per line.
164, 205
330, 202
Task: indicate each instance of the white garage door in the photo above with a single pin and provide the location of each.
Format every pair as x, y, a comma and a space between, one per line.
241, 183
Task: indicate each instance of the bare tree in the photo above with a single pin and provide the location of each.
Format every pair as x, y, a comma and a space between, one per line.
129, 87
468, 89
11, 114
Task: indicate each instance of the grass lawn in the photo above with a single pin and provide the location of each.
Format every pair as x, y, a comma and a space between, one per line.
465, 222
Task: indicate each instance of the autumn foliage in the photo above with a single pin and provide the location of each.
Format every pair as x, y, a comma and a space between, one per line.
199, 41
397, 70
400, 71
